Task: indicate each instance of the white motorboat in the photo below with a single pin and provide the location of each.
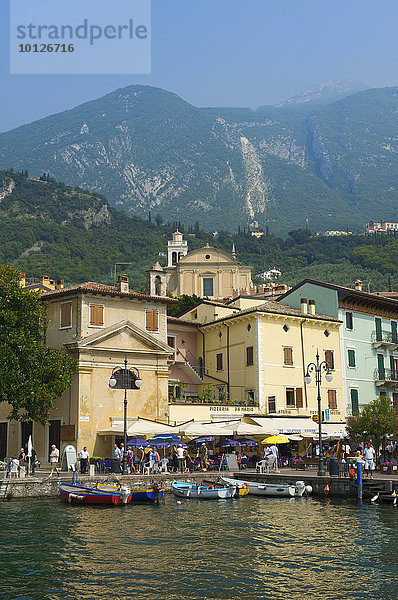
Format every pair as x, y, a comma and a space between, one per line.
203, 492
271, 489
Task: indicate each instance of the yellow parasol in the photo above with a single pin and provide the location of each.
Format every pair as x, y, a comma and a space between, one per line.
275, 439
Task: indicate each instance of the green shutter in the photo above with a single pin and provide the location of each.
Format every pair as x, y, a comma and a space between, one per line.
379, 333
351, 358
354, 401
348, 320
394, 332
395, 399
380, 366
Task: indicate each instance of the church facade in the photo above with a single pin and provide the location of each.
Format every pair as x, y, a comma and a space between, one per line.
207, 272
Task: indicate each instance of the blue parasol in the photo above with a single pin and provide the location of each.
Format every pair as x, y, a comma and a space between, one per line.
165, 438
200, 440
137, 442
228, 443
246, 442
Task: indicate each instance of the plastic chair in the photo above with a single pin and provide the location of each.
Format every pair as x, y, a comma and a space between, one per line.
14, 470
148, 467
164, 464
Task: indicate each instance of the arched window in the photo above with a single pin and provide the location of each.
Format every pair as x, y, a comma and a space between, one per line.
174, 258
158, 285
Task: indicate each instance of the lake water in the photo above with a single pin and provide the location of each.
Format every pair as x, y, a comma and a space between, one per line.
249, 548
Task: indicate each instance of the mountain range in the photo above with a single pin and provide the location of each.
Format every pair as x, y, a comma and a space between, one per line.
146, 149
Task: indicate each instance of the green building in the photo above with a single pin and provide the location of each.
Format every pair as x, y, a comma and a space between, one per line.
369, 338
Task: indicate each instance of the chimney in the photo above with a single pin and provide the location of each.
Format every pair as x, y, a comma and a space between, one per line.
45, 281
51, 283
22, 280
123, 284
60, 284
303, 306
311, 307
358, 285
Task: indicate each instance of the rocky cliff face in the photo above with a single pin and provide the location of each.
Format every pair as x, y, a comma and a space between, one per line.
147, 149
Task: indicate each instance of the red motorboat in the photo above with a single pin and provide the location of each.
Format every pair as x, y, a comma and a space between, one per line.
80, 494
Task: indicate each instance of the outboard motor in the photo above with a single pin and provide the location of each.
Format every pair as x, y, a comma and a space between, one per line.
156, 489
300, 488
125, 493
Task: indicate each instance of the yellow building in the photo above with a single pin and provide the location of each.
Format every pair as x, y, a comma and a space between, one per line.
100, 325
254, 362
208, 271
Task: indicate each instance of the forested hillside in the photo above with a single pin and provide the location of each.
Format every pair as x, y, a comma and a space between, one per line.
53, 229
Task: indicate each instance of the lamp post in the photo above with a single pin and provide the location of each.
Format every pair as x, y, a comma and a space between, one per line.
125, 379
317, 368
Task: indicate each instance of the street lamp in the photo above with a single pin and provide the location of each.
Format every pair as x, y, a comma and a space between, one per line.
125, 379
317, 368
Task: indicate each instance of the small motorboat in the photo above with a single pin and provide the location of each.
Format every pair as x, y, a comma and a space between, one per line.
271, 489
203, 492
152, 494
79, 493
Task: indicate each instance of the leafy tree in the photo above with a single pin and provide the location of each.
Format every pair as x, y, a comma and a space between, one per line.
377, 419
159, 219
185, 302
32, 375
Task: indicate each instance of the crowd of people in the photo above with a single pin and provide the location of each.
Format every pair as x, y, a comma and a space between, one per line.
178, 458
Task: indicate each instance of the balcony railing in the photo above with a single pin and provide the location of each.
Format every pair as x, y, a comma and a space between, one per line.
386, 375
195, 400
388, 338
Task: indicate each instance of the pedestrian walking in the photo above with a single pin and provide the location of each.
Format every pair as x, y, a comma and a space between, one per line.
181, 458
117, 455
369, 454
203, 454
32, 461
84, 457
54, 460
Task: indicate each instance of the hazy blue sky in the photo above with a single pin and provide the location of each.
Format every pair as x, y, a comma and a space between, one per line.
230, 53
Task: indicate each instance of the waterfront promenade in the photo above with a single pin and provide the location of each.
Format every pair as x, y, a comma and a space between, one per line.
44, 486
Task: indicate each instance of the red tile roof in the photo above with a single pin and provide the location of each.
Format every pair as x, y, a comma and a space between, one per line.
92, 287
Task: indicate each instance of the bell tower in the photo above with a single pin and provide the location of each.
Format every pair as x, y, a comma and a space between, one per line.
156, 281
176, 248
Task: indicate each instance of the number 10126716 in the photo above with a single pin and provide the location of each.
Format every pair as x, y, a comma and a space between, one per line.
46, 48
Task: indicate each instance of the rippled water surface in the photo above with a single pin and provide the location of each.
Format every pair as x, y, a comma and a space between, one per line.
251, 548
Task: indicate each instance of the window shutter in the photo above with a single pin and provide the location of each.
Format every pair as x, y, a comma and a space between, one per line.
332, 399
287, 355
152, 320
219, 362
354, 401
96, 315
299, 398
249, 355
394, 331
348, 320
329, 357
66, 314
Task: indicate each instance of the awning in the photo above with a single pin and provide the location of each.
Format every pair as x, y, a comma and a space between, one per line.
116, 429
288, 426
239, 428
303, 426
137, 428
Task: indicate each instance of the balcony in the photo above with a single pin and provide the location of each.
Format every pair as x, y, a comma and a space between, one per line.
196, 400
385, 339
386, 377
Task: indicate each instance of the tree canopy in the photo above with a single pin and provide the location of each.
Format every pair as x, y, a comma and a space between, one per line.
378, 419
32, 375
